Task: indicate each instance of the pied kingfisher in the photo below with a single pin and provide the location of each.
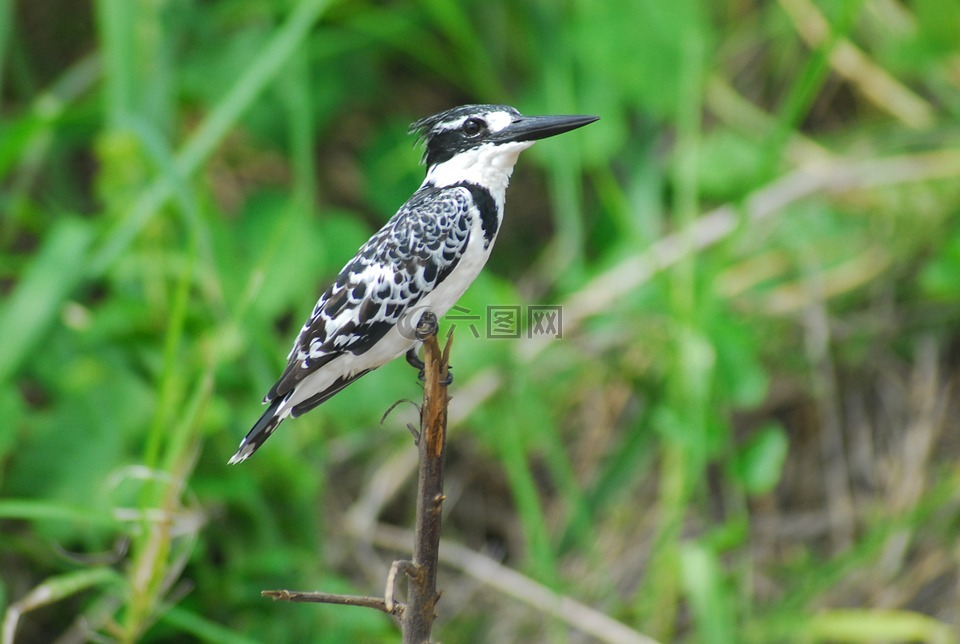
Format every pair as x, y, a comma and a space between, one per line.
423, 259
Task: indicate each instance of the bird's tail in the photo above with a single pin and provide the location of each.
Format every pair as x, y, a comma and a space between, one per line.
261, 430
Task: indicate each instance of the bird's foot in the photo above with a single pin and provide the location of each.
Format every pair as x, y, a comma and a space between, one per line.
427, 326
414, 361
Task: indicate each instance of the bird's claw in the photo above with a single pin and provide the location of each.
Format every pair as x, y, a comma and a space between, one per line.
414, 361
446, 382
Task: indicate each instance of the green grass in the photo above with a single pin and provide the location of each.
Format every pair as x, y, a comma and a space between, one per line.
743, 435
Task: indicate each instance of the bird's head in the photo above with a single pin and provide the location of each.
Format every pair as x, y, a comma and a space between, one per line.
480, 143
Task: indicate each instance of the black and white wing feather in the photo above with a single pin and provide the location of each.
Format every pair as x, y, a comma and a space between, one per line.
390, 274
404, 261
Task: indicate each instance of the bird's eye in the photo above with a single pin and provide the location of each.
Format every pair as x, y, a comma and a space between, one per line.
473, 126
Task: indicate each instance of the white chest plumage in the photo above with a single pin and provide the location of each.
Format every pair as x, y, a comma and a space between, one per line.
475, 256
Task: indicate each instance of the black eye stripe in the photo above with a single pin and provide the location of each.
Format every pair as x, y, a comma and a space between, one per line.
458, 130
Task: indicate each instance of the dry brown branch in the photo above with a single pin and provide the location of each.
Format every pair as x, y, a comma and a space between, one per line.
417, 614
417, 621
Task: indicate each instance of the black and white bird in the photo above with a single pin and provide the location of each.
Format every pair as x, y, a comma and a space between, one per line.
423, 259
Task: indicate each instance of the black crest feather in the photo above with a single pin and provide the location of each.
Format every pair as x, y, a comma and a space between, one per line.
428, 128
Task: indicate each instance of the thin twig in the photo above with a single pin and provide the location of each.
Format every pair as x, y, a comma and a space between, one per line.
376, 603
383, 486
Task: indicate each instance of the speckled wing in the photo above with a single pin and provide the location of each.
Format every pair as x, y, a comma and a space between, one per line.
413, 253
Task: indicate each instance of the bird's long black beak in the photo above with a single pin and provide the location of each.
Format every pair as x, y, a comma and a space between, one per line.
534, 128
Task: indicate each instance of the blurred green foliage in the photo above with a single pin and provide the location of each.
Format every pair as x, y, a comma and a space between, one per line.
754, 248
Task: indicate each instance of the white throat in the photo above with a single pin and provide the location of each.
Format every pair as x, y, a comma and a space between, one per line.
489, 166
